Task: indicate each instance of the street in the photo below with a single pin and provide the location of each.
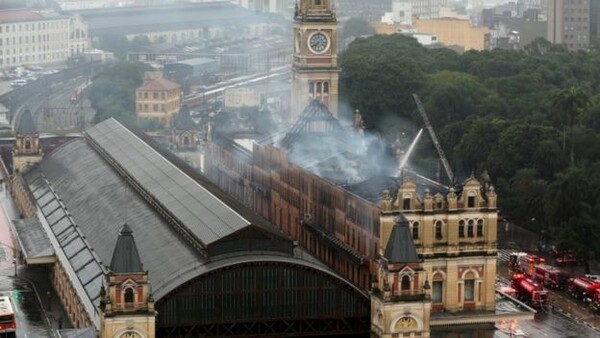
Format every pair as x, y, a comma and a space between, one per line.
569, 318
31, 318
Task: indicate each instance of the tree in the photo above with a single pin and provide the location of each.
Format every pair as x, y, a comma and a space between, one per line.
116, 43
568, 102
356, 27
112, 93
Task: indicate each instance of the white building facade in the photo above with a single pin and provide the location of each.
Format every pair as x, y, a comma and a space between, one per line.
30, 37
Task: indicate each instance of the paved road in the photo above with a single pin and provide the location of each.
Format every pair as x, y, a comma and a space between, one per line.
570, 318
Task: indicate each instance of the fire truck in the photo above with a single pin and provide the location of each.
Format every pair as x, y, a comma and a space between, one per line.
524, 262
583, 289
529, 291
551, 277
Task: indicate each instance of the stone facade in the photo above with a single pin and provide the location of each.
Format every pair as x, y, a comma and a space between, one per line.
456, 235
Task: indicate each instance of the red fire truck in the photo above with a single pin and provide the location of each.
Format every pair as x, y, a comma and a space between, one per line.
596, 301
8, 322
583, 289
524, 262
551, 277
529, 291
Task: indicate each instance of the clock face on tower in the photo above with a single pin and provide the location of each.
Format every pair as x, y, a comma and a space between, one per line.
318, 43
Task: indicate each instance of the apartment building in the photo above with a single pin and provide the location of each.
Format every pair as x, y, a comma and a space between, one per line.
39, 37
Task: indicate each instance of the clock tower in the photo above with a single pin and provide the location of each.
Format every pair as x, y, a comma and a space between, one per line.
314, 69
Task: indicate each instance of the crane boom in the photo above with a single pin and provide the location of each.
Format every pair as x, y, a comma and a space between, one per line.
434, 139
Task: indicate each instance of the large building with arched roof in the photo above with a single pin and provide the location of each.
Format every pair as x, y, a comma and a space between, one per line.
213, 267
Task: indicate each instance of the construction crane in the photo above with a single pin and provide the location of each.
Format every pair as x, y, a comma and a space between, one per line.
434, 139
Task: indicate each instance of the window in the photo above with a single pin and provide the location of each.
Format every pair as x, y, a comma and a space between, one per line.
406, 203
27, 145
311, 88
480, 228
317, 2
438, 230
461, 229
471, 202
470, 229
155, 95
469, 290
326, 87
155, 107
145, 95
405, 283
415, 230
129, 295
436, 291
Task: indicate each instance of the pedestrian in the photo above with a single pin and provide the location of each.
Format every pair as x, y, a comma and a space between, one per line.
553, 303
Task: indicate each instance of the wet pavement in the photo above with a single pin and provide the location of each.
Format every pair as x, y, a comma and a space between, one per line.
38, 310
569, 317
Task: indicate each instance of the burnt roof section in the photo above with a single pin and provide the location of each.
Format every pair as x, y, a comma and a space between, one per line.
125, 258
372, 188
25, 124
400, 247
315, 122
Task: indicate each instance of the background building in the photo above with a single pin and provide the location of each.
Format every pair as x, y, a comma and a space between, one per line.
455, 32
569, 23
32, 37
158, 99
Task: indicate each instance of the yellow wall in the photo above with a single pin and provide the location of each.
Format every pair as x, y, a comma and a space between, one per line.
454, 32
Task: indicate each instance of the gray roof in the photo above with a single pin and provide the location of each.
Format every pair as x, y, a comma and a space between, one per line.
99, 201
128, 20
400, 247
206, 217
32, 238
25, 124
197, 61
125, 258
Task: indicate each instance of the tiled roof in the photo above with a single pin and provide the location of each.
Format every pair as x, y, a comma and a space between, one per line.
25, 124
18, 15
400, 246
125, 258
159, 84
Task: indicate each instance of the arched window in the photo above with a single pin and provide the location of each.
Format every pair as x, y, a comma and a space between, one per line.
461, 229
415, 230
319, 88
469, 287
437, 290
128, 296
325, 87
480, 228
27, 145
405, 283
186, 141
470, 228
311, 88
438, 230
406, 202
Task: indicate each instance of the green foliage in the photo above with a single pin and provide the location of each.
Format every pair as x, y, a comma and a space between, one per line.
530, 117
356, 27
112, 93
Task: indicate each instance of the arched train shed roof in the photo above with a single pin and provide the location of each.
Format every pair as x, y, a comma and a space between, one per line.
88, 188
